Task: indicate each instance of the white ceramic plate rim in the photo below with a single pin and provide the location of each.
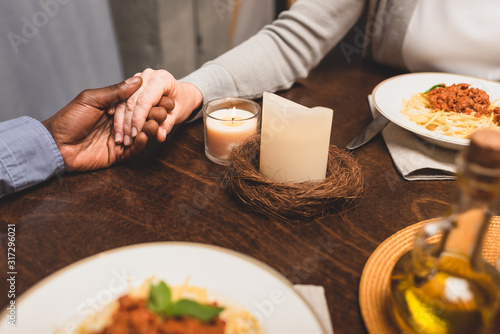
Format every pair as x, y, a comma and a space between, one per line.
388, 98
258, 267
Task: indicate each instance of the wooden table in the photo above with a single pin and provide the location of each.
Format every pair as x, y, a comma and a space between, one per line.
173, 194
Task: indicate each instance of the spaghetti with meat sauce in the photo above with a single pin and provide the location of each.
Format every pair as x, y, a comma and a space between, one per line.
163, 309
456, 110
133, 316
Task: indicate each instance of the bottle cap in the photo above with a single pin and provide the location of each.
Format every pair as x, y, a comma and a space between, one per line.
484, 148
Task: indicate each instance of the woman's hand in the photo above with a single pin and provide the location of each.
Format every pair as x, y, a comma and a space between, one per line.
157, 85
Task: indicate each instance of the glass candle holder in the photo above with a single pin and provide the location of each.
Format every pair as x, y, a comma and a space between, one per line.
228, 122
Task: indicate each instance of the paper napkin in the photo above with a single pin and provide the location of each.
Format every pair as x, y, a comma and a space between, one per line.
315, 296
415, 158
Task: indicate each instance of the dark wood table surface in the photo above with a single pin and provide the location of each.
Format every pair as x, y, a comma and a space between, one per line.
173, 193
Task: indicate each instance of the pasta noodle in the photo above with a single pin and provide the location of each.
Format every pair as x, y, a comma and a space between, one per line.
418, 109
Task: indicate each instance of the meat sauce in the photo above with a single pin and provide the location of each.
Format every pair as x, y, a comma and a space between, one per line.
134, 317
462, 99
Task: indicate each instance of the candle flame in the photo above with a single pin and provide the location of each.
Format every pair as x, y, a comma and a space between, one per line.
233, 114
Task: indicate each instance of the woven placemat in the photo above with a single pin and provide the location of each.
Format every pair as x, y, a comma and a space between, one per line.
374, 284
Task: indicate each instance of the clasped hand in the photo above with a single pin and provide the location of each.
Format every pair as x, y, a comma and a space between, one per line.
83, 130
158, 87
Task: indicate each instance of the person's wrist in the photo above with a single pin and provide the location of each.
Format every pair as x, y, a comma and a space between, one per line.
195, 100
48, 125
195, 93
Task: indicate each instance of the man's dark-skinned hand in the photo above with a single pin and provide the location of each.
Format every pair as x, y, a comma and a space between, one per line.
83, 130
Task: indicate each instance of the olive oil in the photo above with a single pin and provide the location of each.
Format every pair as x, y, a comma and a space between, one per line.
455, 299
448, 287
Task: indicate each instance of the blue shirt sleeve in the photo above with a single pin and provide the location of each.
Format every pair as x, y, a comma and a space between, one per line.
28, 155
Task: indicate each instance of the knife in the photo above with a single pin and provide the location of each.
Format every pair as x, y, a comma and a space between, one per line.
377, 125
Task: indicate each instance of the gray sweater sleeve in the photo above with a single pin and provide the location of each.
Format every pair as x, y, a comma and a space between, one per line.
280, 53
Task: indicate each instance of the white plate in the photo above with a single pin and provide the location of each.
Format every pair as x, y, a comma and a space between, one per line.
70, 295
388, 98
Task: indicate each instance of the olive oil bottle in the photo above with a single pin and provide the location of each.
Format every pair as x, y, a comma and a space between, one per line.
447, 287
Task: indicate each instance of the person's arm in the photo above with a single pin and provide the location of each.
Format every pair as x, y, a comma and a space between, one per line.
28, 155
79, 138
280, 53
273, 59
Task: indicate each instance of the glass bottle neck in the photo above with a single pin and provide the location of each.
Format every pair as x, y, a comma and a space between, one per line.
471, 218
478, 188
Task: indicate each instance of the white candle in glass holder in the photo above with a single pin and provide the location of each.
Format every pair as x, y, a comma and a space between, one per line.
227, 128
295, 140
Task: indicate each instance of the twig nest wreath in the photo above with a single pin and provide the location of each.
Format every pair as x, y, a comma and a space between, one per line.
343, 184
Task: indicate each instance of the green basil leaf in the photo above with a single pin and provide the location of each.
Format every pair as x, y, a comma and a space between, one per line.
185, 307
434, 87
160, 298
